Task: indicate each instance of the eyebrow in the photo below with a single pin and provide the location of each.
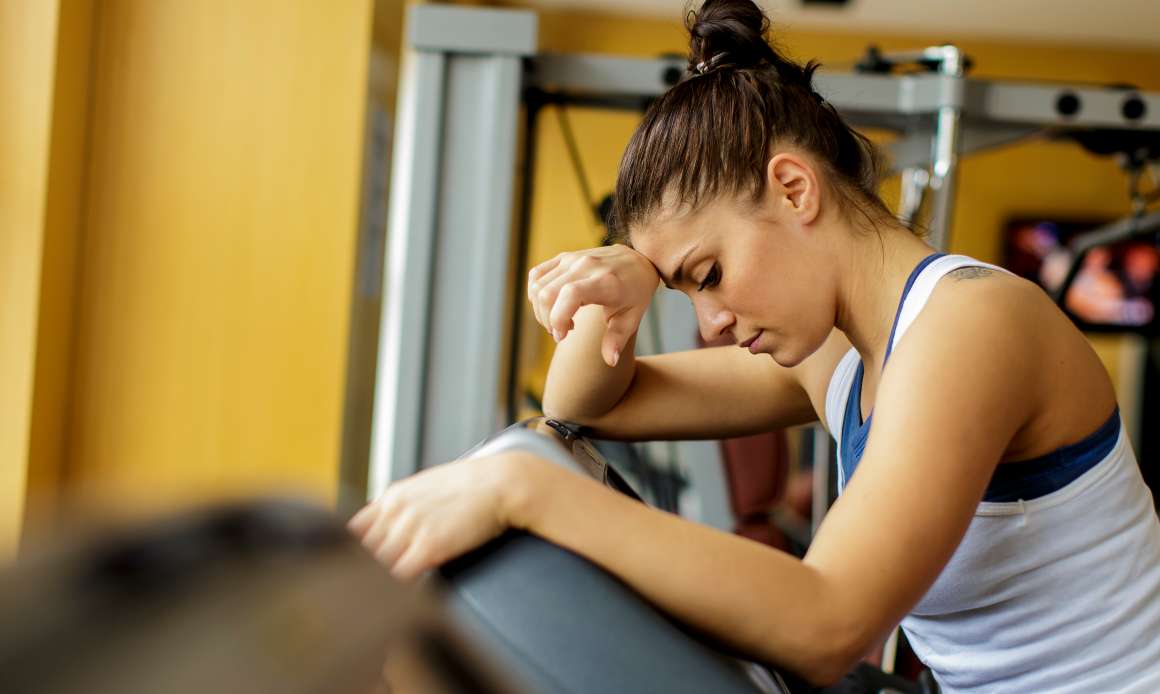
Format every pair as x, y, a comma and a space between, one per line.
679, 273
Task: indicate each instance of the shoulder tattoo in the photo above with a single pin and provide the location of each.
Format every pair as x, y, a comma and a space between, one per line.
971, 273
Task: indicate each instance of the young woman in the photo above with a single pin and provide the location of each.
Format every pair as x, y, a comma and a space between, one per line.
991, 502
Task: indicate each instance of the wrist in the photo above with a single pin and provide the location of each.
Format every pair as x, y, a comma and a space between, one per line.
524, 487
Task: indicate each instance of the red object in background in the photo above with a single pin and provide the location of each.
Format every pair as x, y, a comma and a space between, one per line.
756, 468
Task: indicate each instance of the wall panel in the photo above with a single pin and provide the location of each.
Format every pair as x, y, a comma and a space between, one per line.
222, 209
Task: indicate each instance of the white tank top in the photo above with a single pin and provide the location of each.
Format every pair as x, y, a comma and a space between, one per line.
1059, 593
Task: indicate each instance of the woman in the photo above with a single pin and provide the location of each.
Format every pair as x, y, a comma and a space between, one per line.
996, 511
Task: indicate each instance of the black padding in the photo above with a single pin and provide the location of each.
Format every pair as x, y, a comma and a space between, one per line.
562, 624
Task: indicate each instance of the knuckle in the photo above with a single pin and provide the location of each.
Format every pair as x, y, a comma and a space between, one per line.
405, 522
383, 553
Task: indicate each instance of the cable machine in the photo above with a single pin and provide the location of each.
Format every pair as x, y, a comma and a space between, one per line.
471, 89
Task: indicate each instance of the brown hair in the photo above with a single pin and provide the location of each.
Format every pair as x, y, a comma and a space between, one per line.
714, 131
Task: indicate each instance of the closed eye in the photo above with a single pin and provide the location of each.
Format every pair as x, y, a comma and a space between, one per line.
712, 279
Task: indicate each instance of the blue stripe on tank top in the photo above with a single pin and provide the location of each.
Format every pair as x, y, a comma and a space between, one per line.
1027, 479
1031, 479
854, 430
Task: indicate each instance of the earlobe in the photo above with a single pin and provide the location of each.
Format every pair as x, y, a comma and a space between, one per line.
793, 182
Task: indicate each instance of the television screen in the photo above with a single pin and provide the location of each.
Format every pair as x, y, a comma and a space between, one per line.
1116, 288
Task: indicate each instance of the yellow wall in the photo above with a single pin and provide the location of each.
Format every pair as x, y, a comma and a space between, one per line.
179, 200
1039, 178
27, 59
62, 224
222, 203
44, 52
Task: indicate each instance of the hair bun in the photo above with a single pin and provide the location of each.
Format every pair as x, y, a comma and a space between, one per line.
728, 32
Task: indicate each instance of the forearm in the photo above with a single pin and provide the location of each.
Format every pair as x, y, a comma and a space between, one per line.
579, 384
755, 599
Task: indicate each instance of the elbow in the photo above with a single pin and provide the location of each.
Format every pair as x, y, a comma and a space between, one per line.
551, 406
559, 409
826, 670
835, 650
554, 409
554, 405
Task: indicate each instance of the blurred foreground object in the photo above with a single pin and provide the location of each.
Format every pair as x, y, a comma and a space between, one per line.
265, 597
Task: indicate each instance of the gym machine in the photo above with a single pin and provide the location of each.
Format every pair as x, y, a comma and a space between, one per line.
472, 85
278, 596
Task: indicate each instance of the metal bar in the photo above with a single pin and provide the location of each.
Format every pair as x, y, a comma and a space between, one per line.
823, 447
701, 461
597, 74
945, 149
914, 186
477, 30
443, 332
410, 243
468, 334
891, 99
914, 149
1046, 104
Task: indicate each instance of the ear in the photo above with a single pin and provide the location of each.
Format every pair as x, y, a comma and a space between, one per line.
793, 186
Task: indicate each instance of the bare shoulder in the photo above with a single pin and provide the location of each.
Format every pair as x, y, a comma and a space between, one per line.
992, 298
1016, 344
979, 314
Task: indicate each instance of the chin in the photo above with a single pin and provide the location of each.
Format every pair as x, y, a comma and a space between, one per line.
790, 355
787, 358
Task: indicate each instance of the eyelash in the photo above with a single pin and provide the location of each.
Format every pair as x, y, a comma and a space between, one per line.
712, 279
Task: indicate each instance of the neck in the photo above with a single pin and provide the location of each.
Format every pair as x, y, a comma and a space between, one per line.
877, 267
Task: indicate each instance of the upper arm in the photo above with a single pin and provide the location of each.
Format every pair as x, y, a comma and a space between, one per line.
716, 392
955, 393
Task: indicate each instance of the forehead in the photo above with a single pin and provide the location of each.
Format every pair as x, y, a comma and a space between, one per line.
667, 234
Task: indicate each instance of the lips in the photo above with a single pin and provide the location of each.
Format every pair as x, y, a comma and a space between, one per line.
748, 344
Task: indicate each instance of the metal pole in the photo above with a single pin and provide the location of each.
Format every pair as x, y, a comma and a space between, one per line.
945, 153
395, 442
821, 495
449, 234
915, 181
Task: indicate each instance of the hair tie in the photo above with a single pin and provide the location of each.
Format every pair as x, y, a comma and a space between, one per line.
706, 65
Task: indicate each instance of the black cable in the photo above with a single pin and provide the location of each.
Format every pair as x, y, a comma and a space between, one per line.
577, 165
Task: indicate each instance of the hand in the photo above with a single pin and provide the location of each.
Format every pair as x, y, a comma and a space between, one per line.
439, 513
615, 277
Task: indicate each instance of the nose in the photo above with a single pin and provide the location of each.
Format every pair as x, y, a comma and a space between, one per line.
713, 319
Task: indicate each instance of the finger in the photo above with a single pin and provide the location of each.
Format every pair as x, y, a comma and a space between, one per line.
547, 297
616, 336
392, 546
412, 563
375, 535
362, 521
573, 295
543, 268
387, 508
541, 276
547, 287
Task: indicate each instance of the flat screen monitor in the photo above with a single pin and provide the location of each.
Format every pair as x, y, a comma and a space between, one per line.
1117, 288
